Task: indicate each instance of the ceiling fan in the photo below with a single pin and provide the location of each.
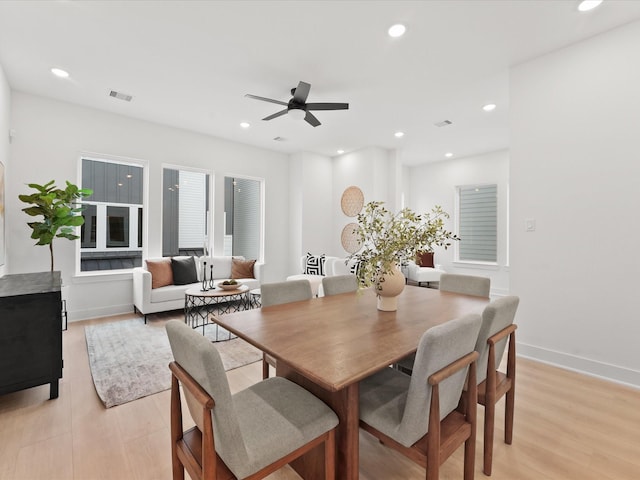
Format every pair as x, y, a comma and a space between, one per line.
297, 106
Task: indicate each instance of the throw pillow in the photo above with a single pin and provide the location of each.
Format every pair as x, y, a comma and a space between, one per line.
314, 264
355, 267
425, 259
242, 268
184, 271
161, 273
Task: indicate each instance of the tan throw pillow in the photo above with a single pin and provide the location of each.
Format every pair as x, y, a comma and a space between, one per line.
242, 268
161, 273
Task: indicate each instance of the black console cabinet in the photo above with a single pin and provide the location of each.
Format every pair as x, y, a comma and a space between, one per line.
30, 331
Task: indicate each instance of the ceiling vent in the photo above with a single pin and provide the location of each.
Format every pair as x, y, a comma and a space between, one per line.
121, 96
443, 123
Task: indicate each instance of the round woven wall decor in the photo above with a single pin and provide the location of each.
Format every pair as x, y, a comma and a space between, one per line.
352, 201
349, 238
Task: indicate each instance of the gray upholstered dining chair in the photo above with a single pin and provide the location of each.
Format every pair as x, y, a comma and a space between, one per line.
465, 284
251, 433
417, 415
497, 327
277, 293
337, 284
452, 282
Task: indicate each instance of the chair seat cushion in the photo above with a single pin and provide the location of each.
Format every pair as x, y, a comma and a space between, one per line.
383, 396
276, 417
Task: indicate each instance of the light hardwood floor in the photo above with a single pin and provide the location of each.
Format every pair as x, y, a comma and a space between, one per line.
567, 426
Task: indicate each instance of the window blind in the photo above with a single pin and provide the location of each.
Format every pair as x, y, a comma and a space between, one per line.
478, 223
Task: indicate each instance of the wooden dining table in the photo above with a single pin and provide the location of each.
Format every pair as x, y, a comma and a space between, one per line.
329, 344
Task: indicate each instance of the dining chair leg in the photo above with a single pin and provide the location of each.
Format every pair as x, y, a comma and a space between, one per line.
489, 418
508, 416
330, 456
265, 367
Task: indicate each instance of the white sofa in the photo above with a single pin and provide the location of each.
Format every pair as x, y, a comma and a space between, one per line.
171, 297
332, 266
422, 275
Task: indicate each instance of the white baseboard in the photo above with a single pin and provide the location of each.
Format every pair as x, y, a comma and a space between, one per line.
614, 373
86, 314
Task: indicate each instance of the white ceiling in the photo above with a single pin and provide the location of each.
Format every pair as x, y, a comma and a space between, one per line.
189, 64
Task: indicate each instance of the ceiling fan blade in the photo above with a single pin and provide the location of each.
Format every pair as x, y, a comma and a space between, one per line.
264, 99
301, 92
327, 106
311, 119
276, 115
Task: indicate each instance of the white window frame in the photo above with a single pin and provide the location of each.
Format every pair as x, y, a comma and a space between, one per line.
209, 219
101, 229
262, 210
471, 262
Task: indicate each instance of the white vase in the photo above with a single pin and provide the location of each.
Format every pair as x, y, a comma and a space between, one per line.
388, 290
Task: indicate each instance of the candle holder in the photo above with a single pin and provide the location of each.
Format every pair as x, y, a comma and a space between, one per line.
212, 285
204, 277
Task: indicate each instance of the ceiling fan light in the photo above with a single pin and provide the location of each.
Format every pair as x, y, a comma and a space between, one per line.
297, 113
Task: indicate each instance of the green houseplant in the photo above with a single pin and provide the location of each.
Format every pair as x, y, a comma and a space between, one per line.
389, 239
59, 210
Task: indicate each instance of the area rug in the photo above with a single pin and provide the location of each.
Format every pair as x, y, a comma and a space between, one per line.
129, 360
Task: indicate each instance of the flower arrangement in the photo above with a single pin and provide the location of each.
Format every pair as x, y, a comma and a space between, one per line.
388, 240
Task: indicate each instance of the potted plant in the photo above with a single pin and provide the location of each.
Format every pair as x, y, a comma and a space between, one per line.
59, 209
387, 240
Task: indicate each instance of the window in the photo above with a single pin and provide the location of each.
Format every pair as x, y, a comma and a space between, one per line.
185, 212
243, 217
477, 223
111, 237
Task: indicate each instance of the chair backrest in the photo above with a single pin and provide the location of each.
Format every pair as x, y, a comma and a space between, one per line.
498, 315
285, 292
339, 284
465, 284
438, 347
199, 357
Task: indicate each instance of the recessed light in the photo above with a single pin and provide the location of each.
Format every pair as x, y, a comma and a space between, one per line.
399, 134
245, 125
340, 152
587, 5
58, 72
448, 154
489, 107
397, 30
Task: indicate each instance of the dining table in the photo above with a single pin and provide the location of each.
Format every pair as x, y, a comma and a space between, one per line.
328, 344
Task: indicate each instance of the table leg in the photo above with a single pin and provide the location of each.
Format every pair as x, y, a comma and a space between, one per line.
345, 403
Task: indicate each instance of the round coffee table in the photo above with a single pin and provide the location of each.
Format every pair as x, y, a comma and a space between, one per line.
199, 305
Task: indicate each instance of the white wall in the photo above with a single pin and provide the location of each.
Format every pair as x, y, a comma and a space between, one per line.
435, 184
50, 137
5, 109
375, 171
310, 208
575, 168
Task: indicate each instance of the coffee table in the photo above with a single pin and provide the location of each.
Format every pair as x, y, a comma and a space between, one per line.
199, 305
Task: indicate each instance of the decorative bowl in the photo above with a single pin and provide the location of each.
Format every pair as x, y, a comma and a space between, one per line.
229, 287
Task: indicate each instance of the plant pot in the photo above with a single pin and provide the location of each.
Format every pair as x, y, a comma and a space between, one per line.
388, 289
